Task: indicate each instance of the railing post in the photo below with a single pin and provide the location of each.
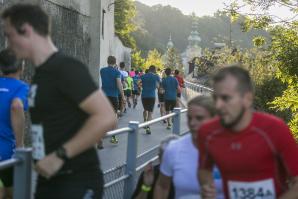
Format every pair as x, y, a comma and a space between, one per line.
176, 121
22, 175
131, 159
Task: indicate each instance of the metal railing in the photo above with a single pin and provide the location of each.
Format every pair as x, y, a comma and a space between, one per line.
131, 168
21, 162
191, 90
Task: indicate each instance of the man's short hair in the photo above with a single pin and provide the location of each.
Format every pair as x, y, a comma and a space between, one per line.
19, 14
168, 71
242, 76
122, 65
8, 62
111, 60
152, 69
176, 72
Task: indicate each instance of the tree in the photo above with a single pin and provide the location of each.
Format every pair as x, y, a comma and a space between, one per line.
153, 58
179, 64
137, 60
125, 11
171, 58
283, 50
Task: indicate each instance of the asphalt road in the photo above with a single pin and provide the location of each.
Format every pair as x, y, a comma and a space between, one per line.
115, 154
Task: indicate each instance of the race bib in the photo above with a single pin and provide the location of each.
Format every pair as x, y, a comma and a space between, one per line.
38, 152
263, 189
32, 95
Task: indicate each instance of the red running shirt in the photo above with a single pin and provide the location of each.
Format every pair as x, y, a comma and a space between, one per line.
255, 162
180, 82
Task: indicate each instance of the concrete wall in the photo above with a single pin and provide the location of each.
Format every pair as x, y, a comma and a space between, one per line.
82, 7
75, 31
73, 28
107, 31
109, 43
122, 53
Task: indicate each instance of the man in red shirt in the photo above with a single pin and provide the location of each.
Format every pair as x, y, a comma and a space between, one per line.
181, 85
255, 152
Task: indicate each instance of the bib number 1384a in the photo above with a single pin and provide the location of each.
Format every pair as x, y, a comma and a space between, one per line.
263, 189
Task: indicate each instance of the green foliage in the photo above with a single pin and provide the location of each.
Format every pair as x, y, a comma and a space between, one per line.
259, 41
259, 64
284, 56
153, 58
285, 48
125, 11
266, 92
136, 60
285, 51
171, 58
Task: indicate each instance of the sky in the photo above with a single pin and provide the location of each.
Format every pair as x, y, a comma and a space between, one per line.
206, 7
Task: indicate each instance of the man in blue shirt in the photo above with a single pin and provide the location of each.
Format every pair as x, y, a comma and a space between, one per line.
150, 82
136, 88
13, 103
111, 85
170, 85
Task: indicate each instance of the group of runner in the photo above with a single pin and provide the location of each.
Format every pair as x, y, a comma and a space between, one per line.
123, 89
231, 152
254, 152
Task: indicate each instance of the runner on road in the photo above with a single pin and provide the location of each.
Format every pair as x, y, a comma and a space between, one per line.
112, 87
13, 103
69, 113
255, 152
150, 82
170, 86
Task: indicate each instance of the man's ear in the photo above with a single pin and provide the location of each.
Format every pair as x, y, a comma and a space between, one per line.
25, 30
248, 99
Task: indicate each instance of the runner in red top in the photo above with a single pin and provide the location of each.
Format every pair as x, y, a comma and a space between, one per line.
255, 152
181, 86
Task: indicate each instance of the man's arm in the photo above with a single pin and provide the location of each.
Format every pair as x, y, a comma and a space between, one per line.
120, 88
101, 120
206, 181
205, 171
292, 193
145, 183
162, 187
18, 121
287, 149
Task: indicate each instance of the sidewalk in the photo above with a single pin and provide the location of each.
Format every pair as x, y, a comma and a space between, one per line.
114, 155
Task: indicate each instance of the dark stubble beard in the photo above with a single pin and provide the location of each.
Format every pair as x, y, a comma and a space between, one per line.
235, 121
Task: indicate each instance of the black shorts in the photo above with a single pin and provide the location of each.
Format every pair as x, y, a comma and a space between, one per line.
179, 95
148, 104
135, 92
115, 103
127, 92
170, 105
161, 97
79, 185
6, 177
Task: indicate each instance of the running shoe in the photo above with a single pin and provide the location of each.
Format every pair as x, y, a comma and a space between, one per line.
169, 126
148, 131
114, 140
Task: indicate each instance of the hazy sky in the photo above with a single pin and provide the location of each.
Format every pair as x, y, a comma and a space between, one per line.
204, 7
